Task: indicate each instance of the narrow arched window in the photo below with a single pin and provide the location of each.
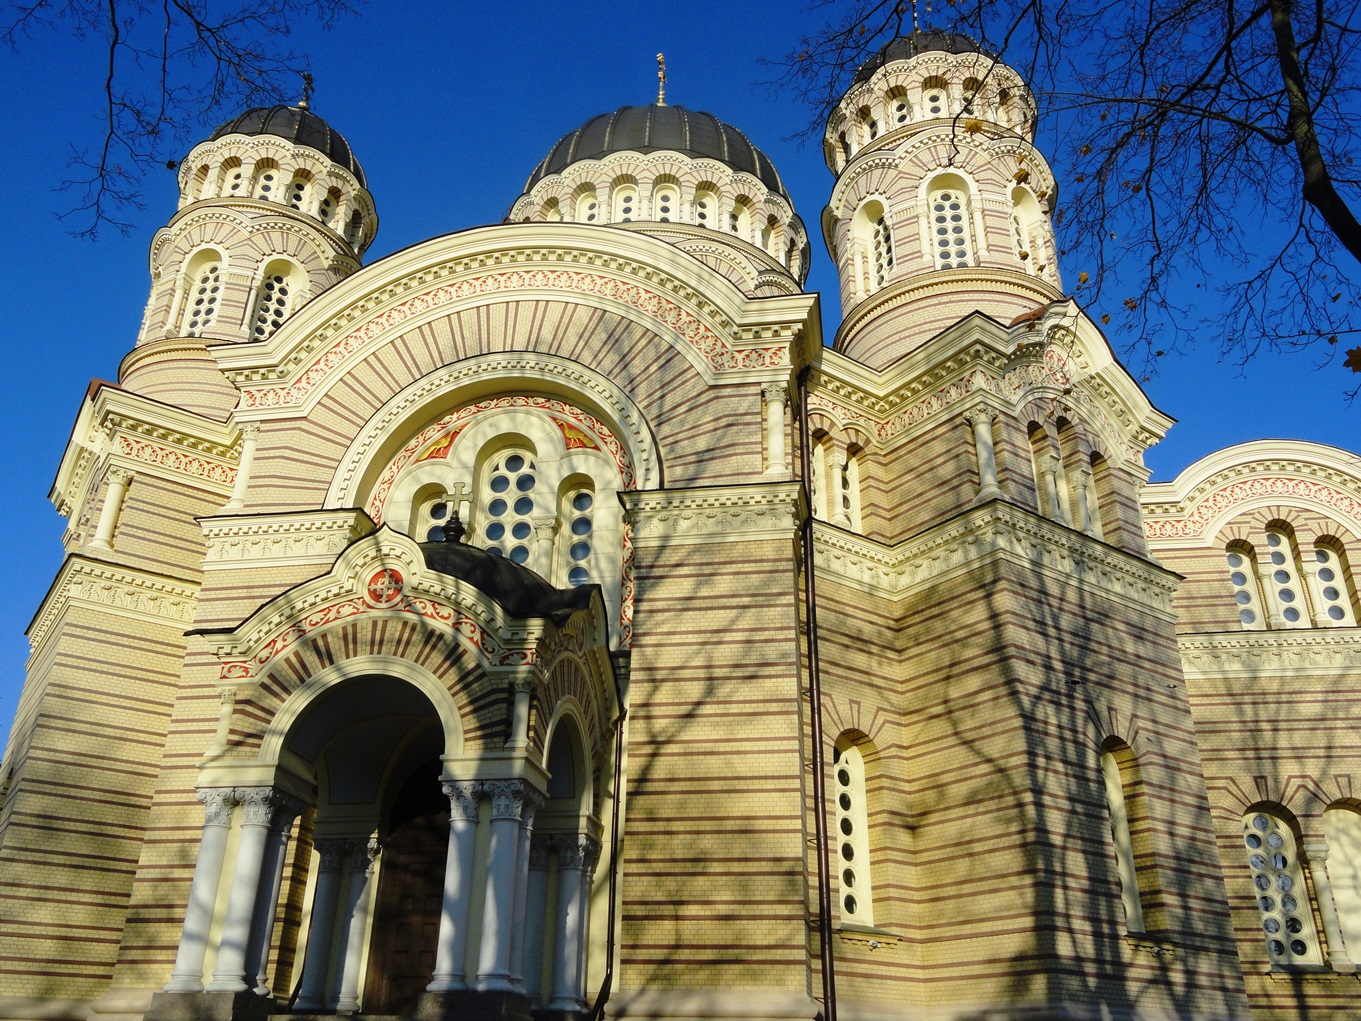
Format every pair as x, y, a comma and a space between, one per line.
1278, 881
588, 207
551, 212
882, 254
1285, 579
665, 203
297, 191
1342, 829
266, 183
625, 203
850, 491
899, 112
326, 210
935, 98
509, 491
276, 297
1120, 780
203, 292
578, 536
1243, 577
951, 231
232, 178
852, 834
1332, 590
706, 207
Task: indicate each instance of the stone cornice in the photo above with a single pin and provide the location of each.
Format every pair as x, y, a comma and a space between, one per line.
1331, 652
681, 517
1198, 502
312, 538
116, 590
995, 530
147, 436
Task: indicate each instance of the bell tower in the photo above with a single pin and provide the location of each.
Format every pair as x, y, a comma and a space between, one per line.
942, 203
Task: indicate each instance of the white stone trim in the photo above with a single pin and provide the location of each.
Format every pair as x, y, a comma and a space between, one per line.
1323, 653
997, 530
119, 591
718, 514
306, 538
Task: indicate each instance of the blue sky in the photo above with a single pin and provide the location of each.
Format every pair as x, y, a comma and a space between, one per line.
449, 106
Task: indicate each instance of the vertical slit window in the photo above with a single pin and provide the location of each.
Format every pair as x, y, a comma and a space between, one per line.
852, 835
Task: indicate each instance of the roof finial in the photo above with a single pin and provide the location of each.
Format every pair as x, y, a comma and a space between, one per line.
307, 89
915, 27
661, 80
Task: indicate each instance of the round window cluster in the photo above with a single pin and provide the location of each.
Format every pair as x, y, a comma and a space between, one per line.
511, 482
204, 305
1283, 577
1275, 877
273, 305
952, 239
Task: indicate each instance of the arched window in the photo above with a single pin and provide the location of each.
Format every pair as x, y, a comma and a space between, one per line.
972, 103
1331, 589
1342, 829
739, 218
509, 490
326, 210
297, 190
1285, 579
551, 212
231, 178
869, 127
817, 485
276, 297
706, 207
588, 207
770, 236
199, 189
873, 246
1278, 883
432, 509
625, 203
899, 111
951, 230
850, 491
1102, 499
1046, 472
1029, 234
202, 292
1243, 577
665, 203
266, 183
1129, 831
577, 512
355, 231
881, 255
935, 98
845, 148
852, 833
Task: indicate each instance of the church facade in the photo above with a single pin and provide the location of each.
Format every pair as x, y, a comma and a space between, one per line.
549, 620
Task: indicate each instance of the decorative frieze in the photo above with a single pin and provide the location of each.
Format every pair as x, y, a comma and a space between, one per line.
119, 591
1196, 515
281, 540
983, 534
718, 514
1329, 652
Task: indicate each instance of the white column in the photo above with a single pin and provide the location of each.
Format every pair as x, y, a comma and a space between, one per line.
498, 905
452, 945
271, 881
187, 975
250, 432
980, 417
775, 396
1085, 521
519, 717
591, 856
536, 906
533, 799
837, 484
357, 916
1051, 482
325, 899
257, 805
1316, 861
574, 854
226, 705
544, 530
116, 482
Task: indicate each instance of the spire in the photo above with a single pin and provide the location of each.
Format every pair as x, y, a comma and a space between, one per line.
661, 79
307, 89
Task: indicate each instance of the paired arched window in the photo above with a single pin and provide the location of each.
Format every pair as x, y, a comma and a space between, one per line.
935, 98
666, 203
202, 292
265, 184
951, 227
231, 178
588, 207
277, 296
1296, 591
1287, 918
851, 835
899, 111
625, 203
297, 190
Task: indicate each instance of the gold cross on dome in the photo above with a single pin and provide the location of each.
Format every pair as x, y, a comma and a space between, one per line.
661, 79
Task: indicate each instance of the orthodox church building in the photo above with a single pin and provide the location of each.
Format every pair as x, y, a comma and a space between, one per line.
551, 620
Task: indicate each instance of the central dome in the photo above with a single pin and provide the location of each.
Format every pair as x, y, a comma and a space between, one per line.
649, 128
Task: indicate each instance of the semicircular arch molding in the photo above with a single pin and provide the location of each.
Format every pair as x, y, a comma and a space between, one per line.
396, 422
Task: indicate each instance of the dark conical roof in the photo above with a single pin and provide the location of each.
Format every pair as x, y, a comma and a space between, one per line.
300, 126
905, 47
648, 128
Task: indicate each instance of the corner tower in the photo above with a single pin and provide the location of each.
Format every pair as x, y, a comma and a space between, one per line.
942, 203
274, 209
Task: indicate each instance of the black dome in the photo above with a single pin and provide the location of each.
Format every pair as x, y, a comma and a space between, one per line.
905, 47
299, 125
649, 128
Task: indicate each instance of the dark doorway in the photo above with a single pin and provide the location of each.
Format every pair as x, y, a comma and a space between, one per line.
410, 895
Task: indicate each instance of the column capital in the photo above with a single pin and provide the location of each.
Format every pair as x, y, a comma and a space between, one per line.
506, 797
119, 475
363, 853
462, 795
260, 804
1315, 850
775, 393
839, 458
250, 430
544, 526
539, 847
332, 851
218, 803
578, 851
980, 413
